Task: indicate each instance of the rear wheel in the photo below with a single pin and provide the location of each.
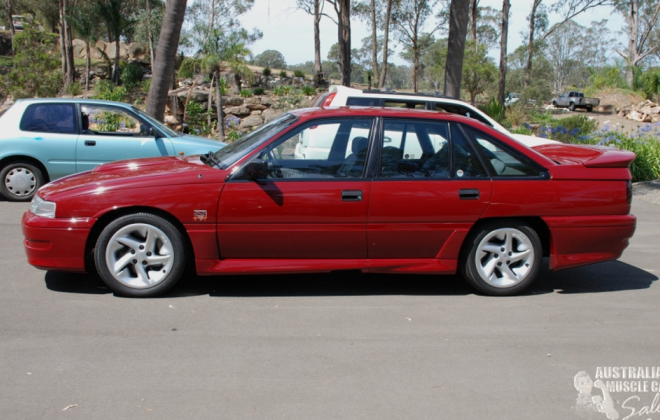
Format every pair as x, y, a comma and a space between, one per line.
590, 108
20, 181
502, 258
571, 106
140, 255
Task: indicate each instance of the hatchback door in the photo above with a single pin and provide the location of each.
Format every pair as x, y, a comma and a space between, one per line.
429, 190
306, 207
112, 133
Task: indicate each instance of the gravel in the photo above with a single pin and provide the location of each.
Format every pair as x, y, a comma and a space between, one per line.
647, 191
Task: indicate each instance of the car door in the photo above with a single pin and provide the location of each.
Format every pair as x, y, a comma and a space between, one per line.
49, 132
422, 205
306, 207
111, 133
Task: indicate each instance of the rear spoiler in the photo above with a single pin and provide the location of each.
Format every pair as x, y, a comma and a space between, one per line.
589, 156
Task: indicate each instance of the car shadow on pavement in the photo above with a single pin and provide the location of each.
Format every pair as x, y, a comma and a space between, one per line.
610, 276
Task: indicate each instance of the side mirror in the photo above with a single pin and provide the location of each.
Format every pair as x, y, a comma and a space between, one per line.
148, 131
256, 169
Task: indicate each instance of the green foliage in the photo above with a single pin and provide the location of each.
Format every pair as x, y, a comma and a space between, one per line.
146, 86
259, 91
246, 93
105, 90
607, 77
266, 71
568, 129
36, 69
308, 90
278, 91
196, 119
131, 75
233, 135
651, 83
479, 71
73, 89
522, 130
283, 74
298, 73
270, 58
494, 109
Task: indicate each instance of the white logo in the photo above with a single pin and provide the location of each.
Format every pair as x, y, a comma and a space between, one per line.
588, 404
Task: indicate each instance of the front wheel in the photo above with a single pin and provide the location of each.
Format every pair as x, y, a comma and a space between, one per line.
502, 258
140, 255
20, 181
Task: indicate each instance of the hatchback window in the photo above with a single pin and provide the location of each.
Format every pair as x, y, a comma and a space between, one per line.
110, 120
501, 162
466, 163
50, 118
329, 149
415, 149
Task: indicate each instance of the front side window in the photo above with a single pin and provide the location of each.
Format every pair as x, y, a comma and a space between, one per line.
329, 149
50, 118
109, 120
500, 161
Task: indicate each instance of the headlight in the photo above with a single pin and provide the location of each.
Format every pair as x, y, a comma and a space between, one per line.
42, 208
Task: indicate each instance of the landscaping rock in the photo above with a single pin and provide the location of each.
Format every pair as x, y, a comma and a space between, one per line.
256, 107
251, 121
237, 110
232, 101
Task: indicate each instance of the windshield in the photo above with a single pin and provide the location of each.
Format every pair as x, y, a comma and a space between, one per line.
159, 125
233, 152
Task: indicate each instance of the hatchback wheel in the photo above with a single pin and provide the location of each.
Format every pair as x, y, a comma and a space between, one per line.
20, 181
140, 255
503, 258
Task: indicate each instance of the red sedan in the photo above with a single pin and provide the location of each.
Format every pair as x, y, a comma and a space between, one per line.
386, 191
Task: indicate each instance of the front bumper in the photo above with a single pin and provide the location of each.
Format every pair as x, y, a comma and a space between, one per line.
56, 244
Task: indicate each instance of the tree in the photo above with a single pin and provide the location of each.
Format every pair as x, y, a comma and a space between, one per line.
433, 62
641, 17
478, 70
168, 43
270, 58
458, 17
207, 16
147, 26
501, 86
343, 11
315, 8
114, 14
68, 70
565, 52
409, 19
85, 25
10, 13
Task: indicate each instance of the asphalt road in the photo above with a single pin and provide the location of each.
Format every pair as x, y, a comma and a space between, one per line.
322, 346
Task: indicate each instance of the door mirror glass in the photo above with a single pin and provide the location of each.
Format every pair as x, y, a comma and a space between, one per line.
257, 169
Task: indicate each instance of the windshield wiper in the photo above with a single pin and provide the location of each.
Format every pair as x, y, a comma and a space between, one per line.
209, 159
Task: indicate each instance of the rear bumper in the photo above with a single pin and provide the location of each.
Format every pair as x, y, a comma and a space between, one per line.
582, 240
56, 244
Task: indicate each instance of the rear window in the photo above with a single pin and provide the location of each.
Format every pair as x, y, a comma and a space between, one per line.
50, 118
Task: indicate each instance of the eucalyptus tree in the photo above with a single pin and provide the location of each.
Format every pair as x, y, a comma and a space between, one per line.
458, 17
84, 23
315, 8
504, 39
379, 15
343, 10
148, 21
641, 18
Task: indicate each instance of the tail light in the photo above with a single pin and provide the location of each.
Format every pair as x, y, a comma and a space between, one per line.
629, 191
329, 99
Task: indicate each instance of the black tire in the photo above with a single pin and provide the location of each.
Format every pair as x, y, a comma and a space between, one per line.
590, 108
521, 272
571, 107
554, 104
126, 243
20, 181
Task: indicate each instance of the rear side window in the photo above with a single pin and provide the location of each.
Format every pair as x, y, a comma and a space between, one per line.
352, 101
50, 118
461, 110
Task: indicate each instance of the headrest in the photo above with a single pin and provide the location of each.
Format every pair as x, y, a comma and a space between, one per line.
359, 145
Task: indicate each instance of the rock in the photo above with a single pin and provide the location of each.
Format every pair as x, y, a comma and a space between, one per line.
237, 110
265, 100
635, 116
256, 107
79, 48
232, 101
255, 113
135, 51
97, 48
172, 120
185, 82
175, 104
251, 121
101, 72
252, 101
270, 113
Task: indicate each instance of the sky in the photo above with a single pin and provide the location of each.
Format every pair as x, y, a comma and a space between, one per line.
291, 31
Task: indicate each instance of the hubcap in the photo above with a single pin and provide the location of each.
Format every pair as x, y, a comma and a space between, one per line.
20, 182
504, 257
139, 256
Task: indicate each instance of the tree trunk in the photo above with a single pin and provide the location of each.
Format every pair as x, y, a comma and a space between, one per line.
12, 30
168, 43
218, 100
458, 18
473, 21
71, 64
67, 47
209, 103
506, 5
383, 72
150, 36
87, 65
374, 40
530, 45
115, 73
632, 42
415, 65
344, 28
318, 79
62, 40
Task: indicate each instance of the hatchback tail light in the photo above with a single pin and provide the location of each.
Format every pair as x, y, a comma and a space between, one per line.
329, 99
629, 191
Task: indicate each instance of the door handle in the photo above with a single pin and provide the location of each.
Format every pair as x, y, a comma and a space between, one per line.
90, 142
351, 195
468, 194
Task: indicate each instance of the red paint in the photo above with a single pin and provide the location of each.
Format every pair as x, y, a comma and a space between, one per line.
291, 226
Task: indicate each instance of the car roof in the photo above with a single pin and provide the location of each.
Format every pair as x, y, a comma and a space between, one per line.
374, 111
391, 94
73, 100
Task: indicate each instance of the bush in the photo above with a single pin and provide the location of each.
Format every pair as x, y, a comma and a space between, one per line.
259, 91
266, 71
308, 90
279, 91
73, 89
493, 109
283, 74
146, 86
197, 119
105, 90
246, 93
299, 73
131, 75
568, 129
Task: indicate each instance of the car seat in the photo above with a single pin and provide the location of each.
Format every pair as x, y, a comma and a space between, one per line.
354, 163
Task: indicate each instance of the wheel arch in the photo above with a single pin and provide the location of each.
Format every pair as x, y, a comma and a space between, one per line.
111, 215
536, 223
34, 161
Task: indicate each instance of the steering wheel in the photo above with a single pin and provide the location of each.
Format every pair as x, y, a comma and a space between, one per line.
273, 166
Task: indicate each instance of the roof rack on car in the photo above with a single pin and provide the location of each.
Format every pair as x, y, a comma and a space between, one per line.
379, 90
389, 91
